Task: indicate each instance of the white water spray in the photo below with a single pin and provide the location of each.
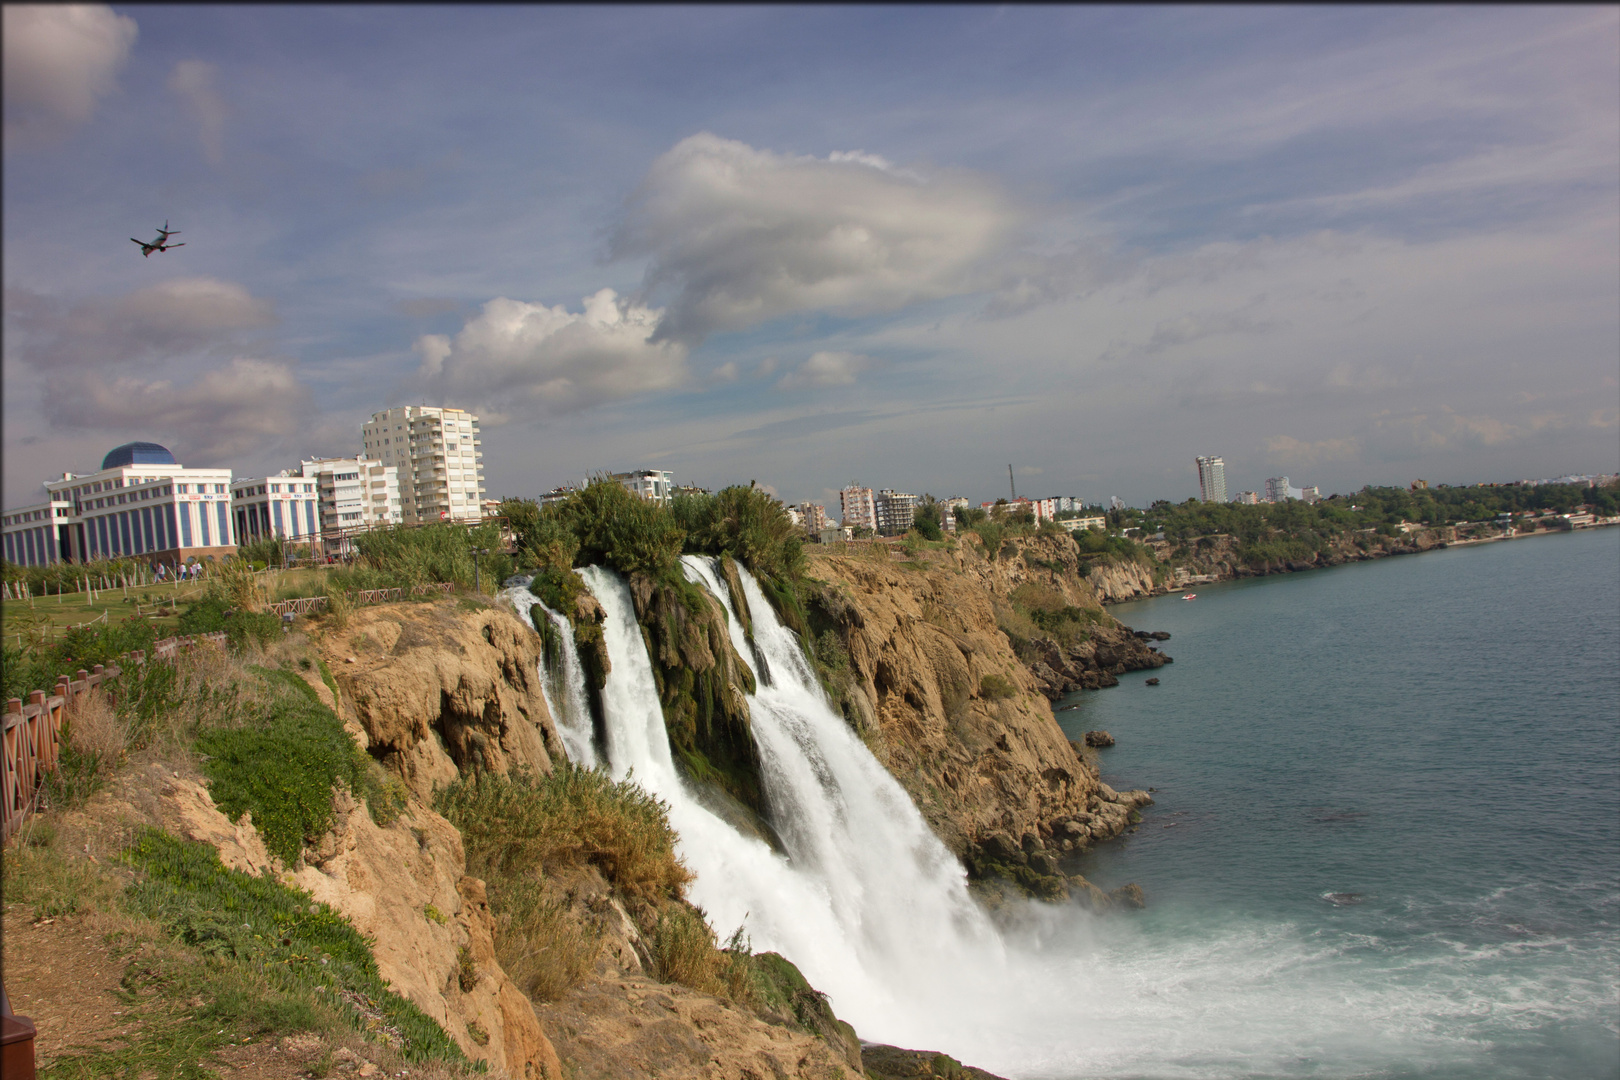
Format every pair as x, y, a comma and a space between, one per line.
876, 913
564, 689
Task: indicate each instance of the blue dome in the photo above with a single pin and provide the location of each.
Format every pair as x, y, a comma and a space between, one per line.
138, 453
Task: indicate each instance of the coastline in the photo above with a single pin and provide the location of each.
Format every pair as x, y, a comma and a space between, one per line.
1117, 583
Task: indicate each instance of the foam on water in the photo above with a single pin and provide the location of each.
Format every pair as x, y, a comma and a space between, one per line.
564, 685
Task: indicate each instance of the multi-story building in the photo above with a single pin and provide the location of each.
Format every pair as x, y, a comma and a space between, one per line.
857, 507
1311, 494
948, 508
323, 499
1079, 524
283, 507
1277, 489
140, 502
435, 449
39, 534
895, 511
1211, 479
1248, 498
651, 484
812, 517
357, 493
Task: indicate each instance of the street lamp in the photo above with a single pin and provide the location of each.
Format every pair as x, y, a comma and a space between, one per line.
475, 553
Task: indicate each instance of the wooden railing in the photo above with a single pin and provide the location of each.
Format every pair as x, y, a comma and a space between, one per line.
304, 604
33, 742
33, 729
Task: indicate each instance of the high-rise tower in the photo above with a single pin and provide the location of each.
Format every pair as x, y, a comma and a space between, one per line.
436, 452
1211, 479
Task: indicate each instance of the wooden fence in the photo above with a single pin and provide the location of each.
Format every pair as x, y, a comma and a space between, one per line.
33, 729
305, 604
33, 742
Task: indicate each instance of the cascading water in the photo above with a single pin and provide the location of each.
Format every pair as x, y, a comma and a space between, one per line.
562, 683
876, 913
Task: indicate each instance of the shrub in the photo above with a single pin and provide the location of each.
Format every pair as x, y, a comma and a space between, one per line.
622, 530
544, 946
996, 687
94, 740
575, 815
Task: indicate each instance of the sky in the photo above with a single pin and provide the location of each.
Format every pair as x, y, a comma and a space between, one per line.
903, 247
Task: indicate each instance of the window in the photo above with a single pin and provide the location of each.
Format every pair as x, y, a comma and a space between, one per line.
183, 489
275, 489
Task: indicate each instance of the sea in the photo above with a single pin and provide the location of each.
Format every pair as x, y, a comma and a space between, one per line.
1385, 839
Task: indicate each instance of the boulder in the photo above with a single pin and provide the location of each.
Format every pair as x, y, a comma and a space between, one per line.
1000, 847
1102, 738
1152, 682
1128, 896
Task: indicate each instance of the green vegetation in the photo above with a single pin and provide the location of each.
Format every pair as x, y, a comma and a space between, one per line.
426, 555
279, 754
301, 949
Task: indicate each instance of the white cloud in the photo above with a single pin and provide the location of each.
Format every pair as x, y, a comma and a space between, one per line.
237, 409
515, 355
59, 61
825, 369
171, 318
193, 82
741, 236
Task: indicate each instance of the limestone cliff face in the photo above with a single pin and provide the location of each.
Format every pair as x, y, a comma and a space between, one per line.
955, 714
436, 687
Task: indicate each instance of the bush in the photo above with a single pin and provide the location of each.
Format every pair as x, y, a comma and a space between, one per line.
619, 529
575, 815
996, 687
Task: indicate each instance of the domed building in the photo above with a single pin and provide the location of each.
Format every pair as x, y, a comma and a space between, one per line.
141, 503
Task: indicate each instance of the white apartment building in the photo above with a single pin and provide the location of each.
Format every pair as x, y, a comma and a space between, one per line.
1080, 524
654, 485
435, 450
141, 502
1211, 479
357, 493
1277, 489
858, 508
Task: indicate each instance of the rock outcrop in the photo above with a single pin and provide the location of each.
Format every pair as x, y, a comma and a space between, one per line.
935, 686
435, 687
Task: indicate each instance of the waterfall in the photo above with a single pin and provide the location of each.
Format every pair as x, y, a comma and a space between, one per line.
562, 684
867, 902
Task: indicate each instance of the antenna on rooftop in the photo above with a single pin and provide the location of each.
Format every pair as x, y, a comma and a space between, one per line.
1013, 482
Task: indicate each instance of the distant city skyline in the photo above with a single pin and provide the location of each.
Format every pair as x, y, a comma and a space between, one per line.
799, 244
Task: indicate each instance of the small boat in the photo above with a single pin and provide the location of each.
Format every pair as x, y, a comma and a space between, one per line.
1190, 596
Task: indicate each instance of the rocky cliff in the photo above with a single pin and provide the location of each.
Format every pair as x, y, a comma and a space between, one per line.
946, 664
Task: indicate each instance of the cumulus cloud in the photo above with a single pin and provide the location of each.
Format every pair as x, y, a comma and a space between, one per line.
193, 82
236, 409
59, 61
175, 317
825, 369
738, 236
516, 355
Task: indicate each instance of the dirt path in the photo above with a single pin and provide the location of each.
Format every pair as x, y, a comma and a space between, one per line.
64, 975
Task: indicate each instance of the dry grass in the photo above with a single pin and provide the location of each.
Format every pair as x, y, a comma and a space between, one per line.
542, 941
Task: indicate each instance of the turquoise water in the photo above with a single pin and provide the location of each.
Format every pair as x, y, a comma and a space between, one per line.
1386, 841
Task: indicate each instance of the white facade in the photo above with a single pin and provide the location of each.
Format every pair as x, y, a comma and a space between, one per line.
140, 503
435, 452
896, 511
654, 485
357, 493
1211, 479
1081, 523
858, 507
276, 507
34, 535
1277, 489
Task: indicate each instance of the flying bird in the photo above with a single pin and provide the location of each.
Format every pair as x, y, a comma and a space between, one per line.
161, 243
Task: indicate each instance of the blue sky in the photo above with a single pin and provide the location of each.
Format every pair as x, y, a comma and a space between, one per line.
904, 246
